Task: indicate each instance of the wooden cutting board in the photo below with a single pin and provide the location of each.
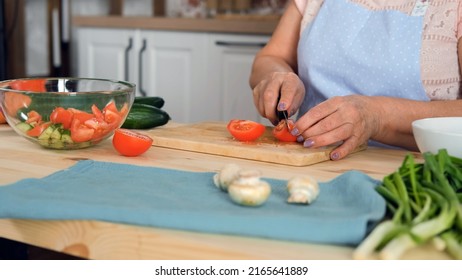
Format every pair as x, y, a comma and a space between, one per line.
214, 138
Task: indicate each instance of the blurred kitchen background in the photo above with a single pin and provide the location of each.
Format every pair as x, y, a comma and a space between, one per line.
183, 50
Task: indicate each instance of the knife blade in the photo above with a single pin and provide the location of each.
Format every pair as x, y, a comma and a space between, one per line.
282, 115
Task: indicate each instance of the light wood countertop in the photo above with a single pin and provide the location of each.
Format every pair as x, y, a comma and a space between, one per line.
248, 26
21, 159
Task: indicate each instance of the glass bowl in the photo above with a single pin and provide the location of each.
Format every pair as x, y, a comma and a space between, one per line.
66, 113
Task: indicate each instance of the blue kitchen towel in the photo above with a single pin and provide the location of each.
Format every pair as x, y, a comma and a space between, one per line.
150, 196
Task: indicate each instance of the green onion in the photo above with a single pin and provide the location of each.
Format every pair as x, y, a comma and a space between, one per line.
423, 205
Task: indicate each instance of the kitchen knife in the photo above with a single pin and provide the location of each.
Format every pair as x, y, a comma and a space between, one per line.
282, 115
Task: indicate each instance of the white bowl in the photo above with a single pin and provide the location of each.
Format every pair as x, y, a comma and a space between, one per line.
433, 134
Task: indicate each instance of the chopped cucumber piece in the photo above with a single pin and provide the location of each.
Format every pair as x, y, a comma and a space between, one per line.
66, 138
46, 134
23, 126
56, 135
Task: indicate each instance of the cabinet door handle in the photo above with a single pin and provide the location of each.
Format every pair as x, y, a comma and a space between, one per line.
140, 69
127, 50
240, 44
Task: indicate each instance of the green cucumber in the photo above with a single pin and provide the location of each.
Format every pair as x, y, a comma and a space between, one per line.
155, 101
143, 116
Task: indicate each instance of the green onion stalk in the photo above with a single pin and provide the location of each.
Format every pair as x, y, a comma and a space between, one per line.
424, 204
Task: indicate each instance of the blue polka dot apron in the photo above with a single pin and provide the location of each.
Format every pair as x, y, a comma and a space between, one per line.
349, 49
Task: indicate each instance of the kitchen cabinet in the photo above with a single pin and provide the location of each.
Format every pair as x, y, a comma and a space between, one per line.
104, 53
230, 63
172, 65
160, 63
201, 75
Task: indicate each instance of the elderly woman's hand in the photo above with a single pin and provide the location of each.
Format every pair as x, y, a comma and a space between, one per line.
283, 86
350, 120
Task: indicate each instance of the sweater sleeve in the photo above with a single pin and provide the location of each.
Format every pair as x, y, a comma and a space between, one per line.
301, 5
459, 20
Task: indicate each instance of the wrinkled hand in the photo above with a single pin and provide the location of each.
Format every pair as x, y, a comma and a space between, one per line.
266, 95
351, 120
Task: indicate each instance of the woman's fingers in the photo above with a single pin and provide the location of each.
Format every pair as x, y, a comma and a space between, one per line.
292, 93
346, 121
283, 88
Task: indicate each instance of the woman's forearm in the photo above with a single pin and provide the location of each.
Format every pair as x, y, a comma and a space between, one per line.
280, 54
396, 116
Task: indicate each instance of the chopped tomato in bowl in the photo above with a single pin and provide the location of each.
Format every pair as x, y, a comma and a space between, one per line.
245, 130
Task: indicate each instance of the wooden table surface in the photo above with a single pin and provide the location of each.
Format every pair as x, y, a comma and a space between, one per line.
21, 159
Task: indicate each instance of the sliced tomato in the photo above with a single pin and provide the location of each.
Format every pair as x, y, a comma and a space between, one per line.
62, 116
112, 117
38, 129
245, 130
130, 143
124, 110
82, 116
111, 114
97, 112
33, 117
80, 132
282, 133
100, 127
111, 106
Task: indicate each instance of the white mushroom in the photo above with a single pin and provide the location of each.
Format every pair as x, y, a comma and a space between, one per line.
302, 190
226, 176
249, 189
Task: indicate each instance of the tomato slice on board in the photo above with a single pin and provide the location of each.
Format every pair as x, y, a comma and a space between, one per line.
245, 130
282, 133
130, 143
